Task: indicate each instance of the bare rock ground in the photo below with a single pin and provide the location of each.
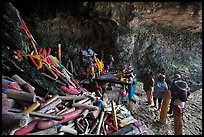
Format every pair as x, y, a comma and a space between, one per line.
192, 118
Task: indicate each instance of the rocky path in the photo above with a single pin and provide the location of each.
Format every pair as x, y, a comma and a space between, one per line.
192, 118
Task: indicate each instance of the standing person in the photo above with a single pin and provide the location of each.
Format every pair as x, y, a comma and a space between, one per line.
91, 74
148, 84
96, 71
111, 63
146, 69
174, 92
131, 92
97, 89
131, 86
182, 94
159, 88
106, 69
122, 95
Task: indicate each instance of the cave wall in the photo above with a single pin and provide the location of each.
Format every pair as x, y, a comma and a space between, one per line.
133, 32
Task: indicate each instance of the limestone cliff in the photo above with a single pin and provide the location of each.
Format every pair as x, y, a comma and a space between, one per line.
162, 34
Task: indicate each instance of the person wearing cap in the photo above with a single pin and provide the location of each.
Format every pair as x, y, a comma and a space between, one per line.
159, 88
173, 90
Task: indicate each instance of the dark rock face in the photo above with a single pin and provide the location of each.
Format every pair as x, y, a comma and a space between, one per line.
164, 35
159, 34
164, 48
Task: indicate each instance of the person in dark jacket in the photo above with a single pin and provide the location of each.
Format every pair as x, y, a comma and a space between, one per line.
182, 94
148, 84
173, 90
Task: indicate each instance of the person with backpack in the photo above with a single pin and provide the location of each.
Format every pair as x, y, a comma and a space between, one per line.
174, 92
182, 94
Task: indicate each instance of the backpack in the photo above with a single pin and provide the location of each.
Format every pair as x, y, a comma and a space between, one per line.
183, 95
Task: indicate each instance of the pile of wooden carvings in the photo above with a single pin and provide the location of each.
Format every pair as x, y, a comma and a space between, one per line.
25, 113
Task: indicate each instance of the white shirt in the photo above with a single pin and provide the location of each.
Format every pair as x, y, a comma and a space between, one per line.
179, 103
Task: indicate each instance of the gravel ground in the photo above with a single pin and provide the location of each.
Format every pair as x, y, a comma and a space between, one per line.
192, 118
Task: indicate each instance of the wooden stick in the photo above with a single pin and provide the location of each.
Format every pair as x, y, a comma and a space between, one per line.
164, 109
49, 131
109, 124
94, 114
31, 108
79, 126
127, 121
103, 124
31, 126
177, 120
12, 120
68, 78
33, 61
114, 114
72, 97
71, 123
50, 100
88, 106
84, 113
63, 80
23, 103
87, 126
94, 126
7, 103
68, 130
70, 116
48, 52
38, 114
44, 115
25, 85
50, 106
45, 124
109, 131
54, 69
68, 111
61, 111
34, 47
100, 122
20, 95
86, 100
63, 84
59, 52
50, 71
